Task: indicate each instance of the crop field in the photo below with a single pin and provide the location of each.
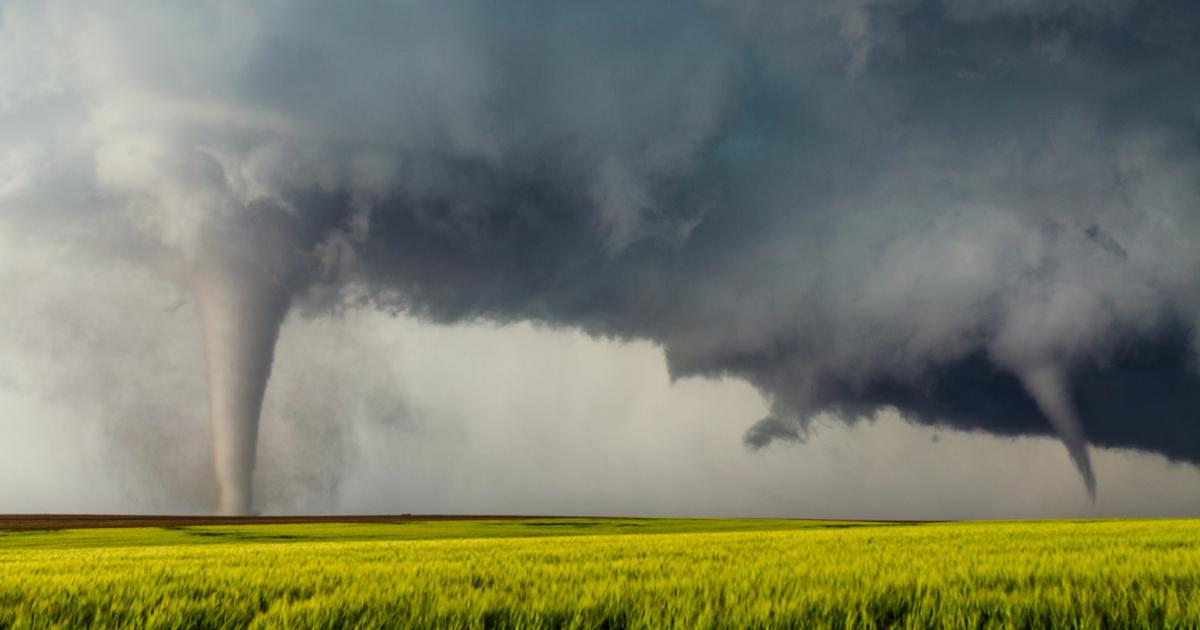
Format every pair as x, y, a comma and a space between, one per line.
608, 573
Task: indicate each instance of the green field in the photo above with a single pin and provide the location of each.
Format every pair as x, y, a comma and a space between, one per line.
604, 573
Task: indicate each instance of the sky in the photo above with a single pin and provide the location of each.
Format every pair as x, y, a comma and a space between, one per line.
849, 258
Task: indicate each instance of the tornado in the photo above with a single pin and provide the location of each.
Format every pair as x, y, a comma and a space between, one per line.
1047, 385
242, 307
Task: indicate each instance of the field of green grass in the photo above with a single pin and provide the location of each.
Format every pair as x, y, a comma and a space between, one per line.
608, 573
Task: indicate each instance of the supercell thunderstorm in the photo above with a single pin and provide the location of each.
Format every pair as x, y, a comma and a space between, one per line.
986, 215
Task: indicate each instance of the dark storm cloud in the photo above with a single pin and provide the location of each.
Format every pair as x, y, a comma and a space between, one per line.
982, 214
991, 197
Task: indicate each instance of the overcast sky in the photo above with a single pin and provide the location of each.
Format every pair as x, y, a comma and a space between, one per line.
369, 412
862, 258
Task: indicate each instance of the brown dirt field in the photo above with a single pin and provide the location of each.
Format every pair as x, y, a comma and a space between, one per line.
77, 521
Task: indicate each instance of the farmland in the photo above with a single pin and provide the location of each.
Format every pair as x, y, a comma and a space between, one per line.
594, 573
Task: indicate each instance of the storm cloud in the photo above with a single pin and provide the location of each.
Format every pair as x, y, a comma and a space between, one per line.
982, 214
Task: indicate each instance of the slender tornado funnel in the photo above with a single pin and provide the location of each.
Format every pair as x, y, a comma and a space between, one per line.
1048, 387
242, 308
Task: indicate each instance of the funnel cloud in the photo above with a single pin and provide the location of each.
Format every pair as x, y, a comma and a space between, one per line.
242, 313
983, 215
1049, 390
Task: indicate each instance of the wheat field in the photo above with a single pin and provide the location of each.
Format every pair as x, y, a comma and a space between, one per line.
609, 574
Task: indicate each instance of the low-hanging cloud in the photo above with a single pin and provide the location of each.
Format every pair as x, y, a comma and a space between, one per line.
982, 214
